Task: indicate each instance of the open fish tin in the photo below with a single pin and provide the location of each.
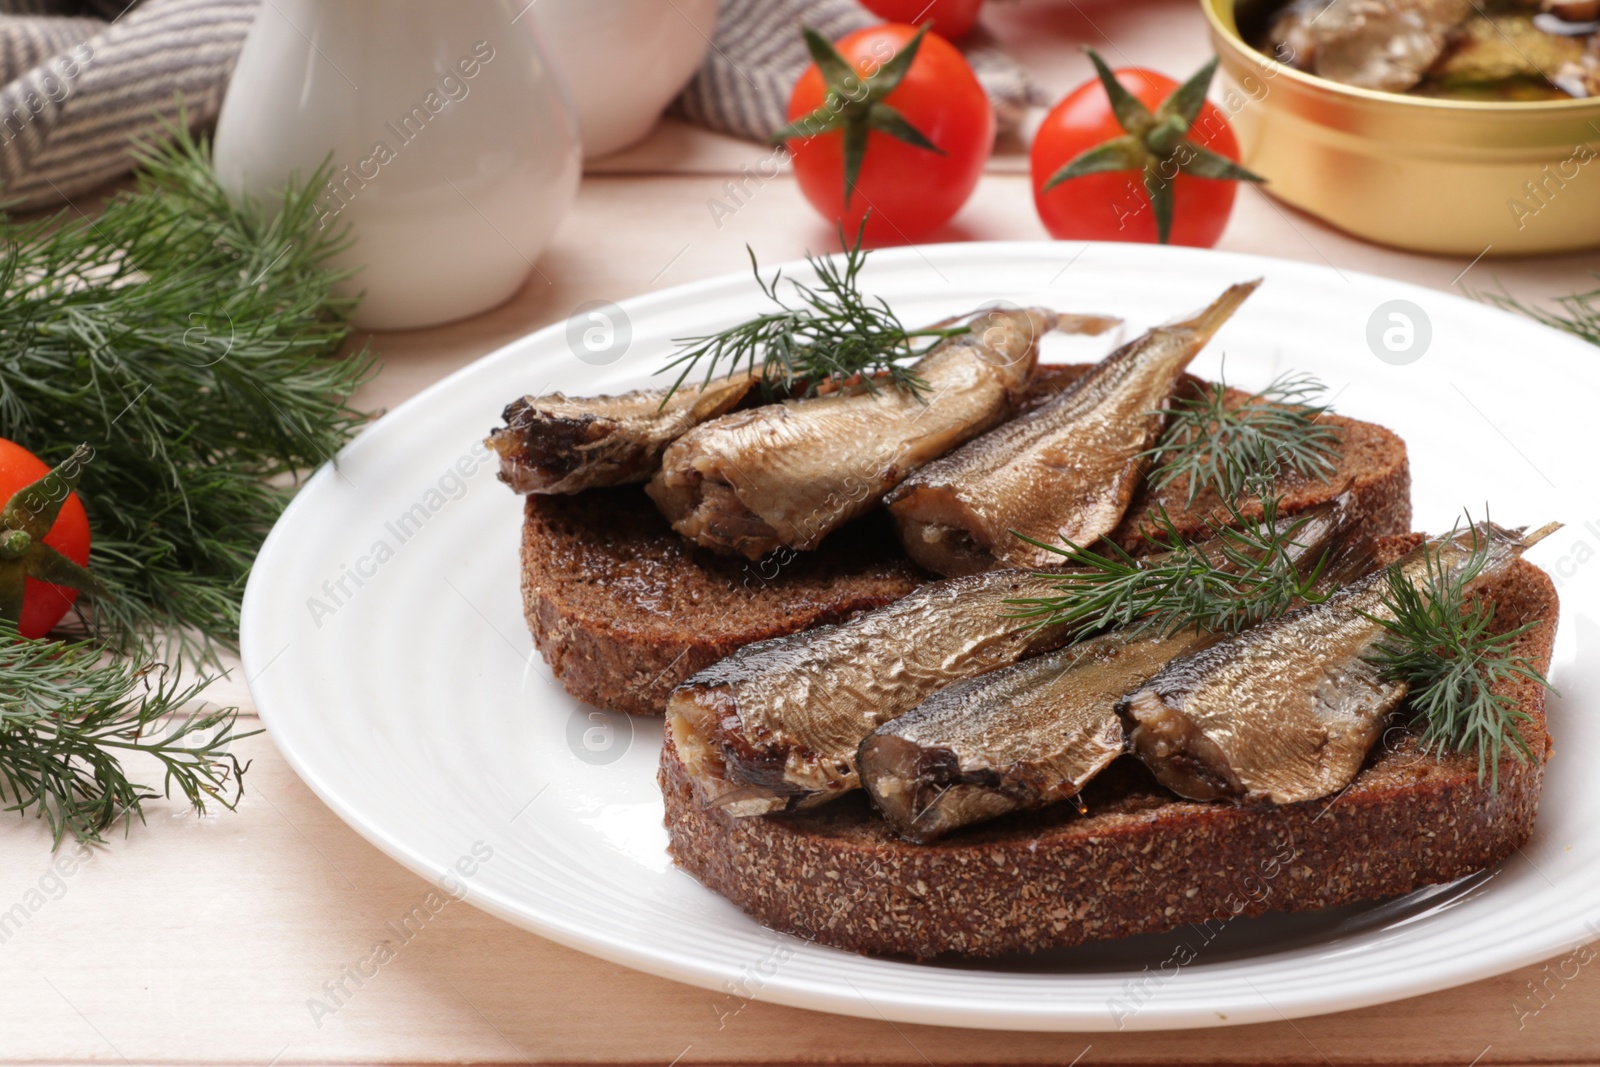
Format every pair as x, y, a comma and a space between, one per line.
1420, 173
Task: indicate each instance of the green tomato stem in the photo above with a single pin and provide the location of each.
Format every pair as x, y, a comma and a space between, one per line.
15, 544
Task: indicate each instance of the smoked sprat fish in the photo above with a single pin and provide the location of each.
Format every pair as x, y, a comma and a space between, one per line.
560, 444
1065, 470
1036, 732
1016, 738
1288, 710
776, 725
786, 475
1372, 44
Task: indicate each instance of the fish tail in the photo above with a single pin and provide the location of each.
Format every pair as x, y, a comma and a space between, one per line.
1088, 325
1487, 547
1209, 321
1516, 539
738, 794
1511, 544
1349, 563
1528, 540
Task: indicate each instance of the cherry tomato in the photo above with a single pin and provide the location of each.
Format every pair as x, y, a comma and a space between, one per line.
908, 190
44, 604
952, 19
1114, 206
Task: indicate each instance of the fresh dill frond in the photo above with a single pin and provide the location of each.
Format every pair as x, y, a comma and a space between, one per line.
194, 344
1247, 570
1579, 313
830, 333
1229, 448
1441, 641
70, 716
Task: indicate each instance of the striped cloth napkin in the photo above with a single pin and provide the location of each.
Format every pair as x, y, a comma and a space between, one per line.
757, 53
80, 79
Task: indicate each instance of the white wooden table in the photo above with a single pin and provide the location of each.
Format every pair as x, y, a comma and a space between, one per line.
203, 940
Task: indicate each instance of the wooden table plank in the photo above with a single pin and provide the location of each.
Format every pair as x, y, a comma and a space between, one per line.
206, 940
203, 940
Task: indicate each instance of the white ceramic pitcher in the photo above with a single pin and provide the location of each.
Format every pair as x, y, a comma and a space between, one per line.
624, 60
454, 143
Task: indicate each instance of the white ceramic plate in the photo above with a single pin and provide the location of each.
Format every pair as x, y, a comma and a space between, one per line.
385, 646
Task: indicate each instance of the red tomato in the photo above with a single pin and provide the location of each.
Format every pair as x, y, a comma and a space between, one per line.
44, 604
909, 190
952, 19
1114, 206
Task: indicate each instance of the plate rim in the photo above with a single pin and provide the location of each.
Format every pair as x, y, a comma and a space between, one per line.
907, 1007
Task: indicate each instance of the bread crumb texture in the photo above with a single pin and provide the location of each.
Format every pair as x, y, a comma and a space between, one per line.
1137, 860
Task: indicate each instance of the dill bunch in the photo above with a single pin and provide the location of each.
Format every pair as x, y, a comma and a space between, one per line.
1246, 571
70, 716
190, 342
1442, 642
828, 333
1579, 313
1231, 448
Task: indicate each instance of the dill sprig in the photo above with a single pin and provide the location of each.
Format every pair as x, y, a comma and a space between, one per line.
1229, 448
191, 342
1579, 314
828, 333
1247, 570
1442, 642
70, 716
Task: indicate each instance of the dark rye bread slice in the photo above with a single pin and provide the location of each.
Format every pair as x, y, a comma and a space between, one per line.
1372, 461
624, 609
1139, 860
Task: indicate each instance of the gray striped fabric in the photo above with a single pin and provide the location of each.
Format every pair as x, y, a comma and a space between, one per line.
83, 78
757, 53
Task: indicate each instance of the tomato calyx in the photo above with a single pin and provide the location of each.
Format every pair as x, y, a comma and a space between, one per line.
24, 522
854, 104
1156, 143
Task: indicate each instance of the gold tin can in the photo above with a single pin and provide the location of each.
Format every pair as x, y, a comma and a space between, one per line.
1429, 175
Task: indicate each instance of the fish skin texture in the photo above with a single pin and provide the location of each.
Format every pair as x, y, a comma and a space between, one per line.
1064, 471
1371, 44
786, 475
781, 720
1287, 710
1016, 738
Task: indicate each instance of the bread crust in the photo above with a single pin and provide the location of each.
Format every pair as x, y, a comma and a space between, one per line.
1138, 860
623, 609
